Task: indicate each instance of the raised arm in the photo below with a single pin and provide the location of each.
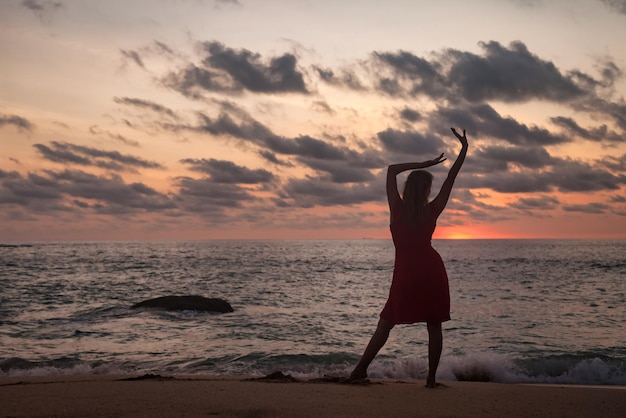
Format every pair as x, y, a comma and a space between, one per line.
394, 169
439, 203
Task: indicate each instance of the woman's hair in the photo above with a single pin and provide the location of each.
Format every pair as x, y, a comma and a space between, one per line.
415, 196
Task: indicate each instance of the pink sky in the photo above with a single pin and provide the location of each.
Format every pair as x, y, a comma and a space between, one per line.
228, 119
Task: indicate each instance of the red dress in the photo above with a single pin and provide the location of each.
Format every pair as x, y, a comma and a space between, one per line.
419, 289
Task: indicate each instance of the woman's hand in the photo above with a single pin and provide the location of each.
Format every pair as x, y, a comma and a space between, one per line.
463, 138
435, 161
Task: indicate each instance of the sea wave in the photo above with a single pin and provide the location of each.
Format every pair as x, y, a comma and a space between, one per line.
474, 367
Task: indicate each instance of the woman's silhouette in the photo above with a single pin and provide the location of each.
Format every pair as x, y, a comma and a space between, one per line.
419, 289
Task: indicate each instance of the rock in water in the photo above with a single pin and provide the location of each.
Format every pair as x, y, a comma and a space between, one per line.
186, 303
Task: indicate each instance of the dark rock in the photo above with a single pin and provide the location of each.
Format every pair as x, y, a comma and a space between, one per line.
186, 303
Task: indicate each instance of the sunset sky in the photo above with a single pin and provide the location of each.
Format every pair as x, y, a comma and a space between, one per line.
164, 119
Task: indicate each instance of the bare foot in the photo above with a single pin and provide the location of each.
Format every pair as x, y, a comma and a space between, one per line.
435, 385
358, 374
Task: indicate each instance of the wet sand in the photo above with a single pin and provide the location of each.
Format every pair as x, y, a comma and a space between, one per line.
205, 396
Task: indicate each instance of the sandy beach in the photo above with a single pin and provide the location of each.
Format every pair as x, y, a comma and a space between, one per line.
155, 396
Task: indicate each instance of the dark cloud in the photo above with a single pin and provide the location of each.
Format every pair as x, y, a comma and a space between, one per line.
247, 69
30, 191
618, 6
193, 82
410, 115
228, 172
228, 70
614, 111
111, 192
482, 120
509, 74
322, 106
66, 153
96, 130
413, 74
504, 157
592, 208
53, 191
312, 192
308, 150
508, 182
563, 175
535, 203
338, 171
206, 196
305, 146
163, 48
245, 128
346, 78
598, 134
132, 56
17, 121
146, 104
271, 157
410, 143
43, 9
576, 176
234, 2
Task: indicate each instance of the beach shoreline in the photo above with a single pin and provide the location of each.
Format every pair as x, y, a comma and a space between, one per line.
236, 396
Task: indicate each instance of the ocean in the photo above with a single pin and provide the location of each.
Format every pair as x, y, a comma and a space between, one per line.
532, 311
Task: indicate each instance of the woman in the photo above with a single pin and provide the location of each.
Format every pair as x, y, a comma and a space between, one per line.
419, 289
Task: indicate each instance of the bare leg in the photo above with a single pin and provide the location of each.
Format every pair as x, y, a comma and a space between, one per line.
435, 345
376, 343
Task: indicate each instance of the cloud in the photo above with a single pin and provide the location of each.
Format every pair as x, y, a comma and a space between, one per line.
113, 195
618, 6
593, 208
599, 134
501, 158
482, 120
233, 2
245, 128
207, 196
53, 191
509, 74
610, 110
346, 79
563, 175
312, 192
146, 104
16, 121
32, 191
576, 176
338, 171
410, 115
471, 81
412, 75
536, 203
232, 71
508, 182
322, 106
66, 153
410, 143
271, 157
96, 130
228, 172
132, 56
308, 150
43, 9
